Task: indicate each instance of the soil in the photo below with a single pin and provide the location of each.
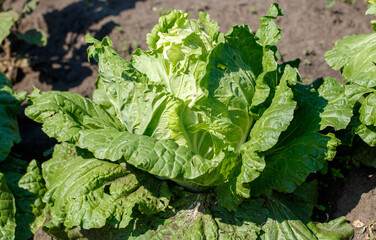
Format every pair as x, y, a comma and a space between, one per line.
309, 28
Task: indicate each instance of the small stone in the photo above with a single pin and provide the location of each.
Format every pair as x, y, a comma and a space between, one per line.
358, 224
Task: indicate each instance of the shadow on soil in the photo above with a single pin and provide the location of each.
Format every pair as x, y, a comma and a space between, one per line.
63, 62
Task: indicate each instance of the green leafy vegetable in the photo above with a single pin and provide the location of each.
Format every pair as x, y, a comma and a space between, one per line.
202, 136
354, 56
92, 193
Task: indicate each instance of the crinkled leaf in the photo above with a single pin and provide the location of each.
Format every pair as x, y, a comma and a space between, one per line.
355, 55
180, 48
288, 219
288, 166
366, 133
263, 136
276, 217
7, 19
92, 193
193, 218
335, 229
328, 103
7, 211
163, 158
355, 92
180, 80
338, 111
65, 114
362, 123
34, 36
368, 110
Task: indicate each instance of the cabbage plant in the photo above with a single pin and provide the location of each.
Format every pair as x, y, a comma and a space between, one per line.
202, 136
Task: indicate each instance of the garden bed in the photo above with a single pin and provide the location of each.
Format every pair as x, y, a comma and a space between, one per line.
309, 29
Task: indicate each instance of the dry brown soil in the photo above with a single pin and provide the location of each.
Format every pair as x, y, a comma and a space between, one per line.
309, 29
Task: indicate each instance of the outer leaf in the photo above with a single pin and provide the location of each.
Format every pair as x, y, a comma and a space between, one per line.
192, 216
366, 133
7, 211
9, 106
283, 223
368, 110
355, 61
301, 149
143, 109
7, 19
93, 193
31, 212
290, 165
197, 216
287, 220
162, 158
277, 217
65, 114
28, 190
335, 229
354, 56
269, 33
338, 110
193, 219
